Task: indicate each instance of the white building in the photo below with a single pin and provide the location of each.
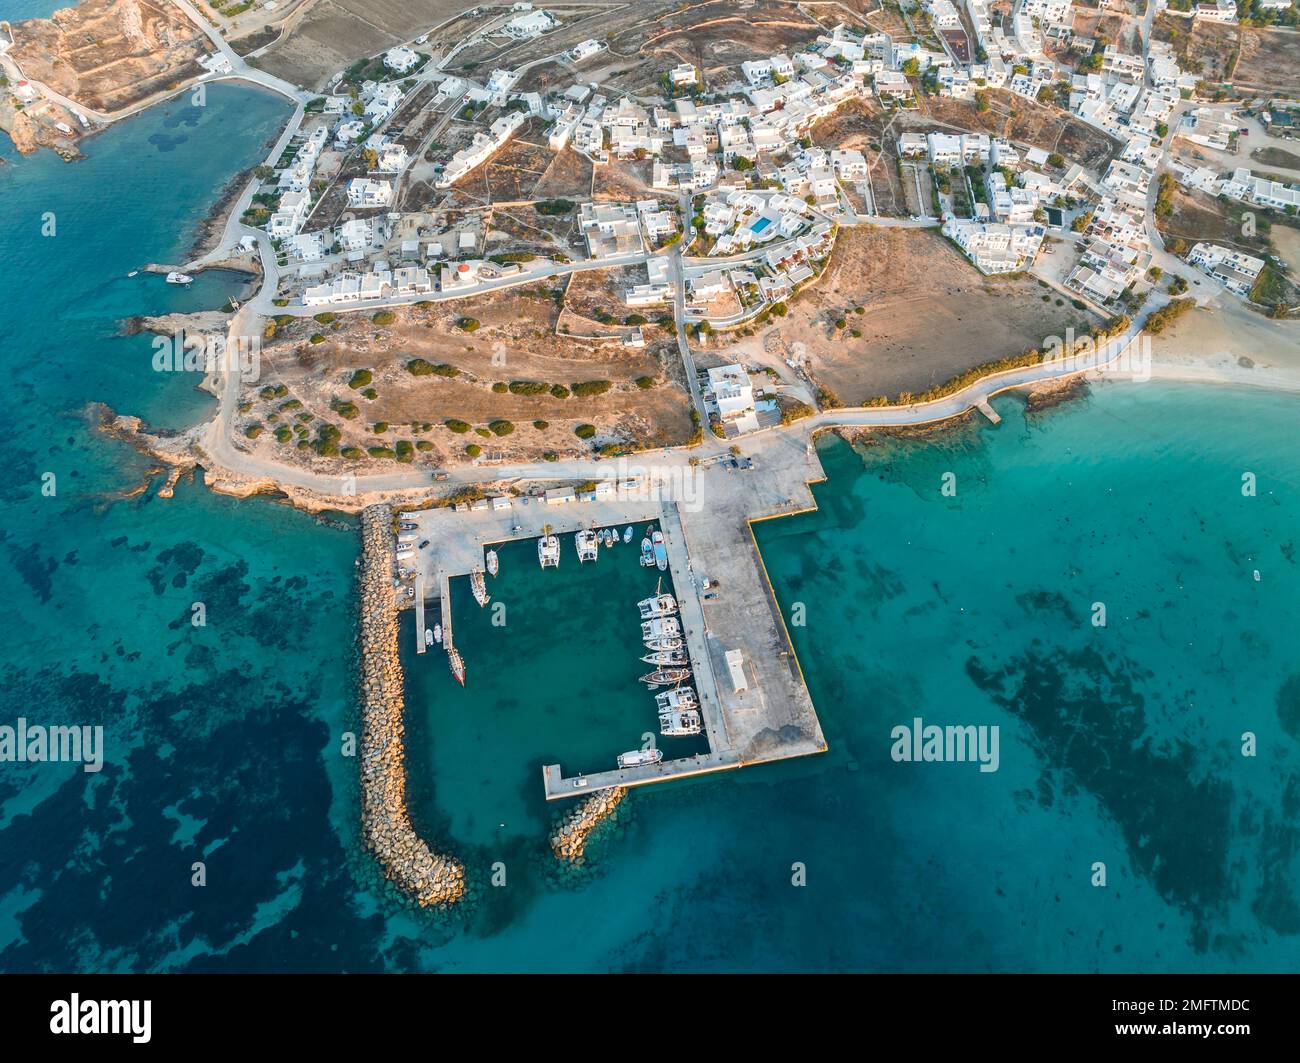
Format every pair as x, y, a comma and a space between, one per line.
364, 192
400, 59
733, 395
1234, 270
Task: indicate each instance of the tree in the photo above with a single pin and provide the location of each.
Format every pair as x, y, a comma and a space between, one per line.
911, 66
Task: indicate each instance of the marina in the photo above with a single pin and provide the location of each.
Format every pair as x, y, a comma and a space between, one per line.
722, 672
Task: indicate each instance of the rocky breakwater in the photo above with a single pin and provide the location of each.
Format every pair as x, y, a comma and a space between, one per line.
431, 879
569, 840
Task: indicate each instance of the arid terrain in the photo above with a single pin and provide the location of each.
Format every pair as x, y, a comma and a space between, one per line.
109, 55
926, 316
433, 364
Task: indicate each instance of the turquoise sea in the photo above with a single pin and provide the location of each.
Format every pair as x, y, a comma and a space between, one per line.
1119, 744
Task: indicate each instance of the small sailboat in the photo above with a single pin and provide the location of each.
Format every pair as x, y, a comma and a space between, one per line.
479, 586
493, 563
663, 645
627, 534
666, 657
457, 663
179, 278
637, 757
437, 633
663, 676
661, 551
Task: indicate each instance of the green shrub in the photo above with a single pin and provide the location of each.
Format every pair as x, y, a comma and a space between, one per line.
467, 324
423, 444
459, 427
316, 337
501, 427
541, 426
588, 388
528, 387
383, 317
284, 433
554, 206
360, 379
325, 317
352, 452
473, 450
585, 431
405, 451
347, 410
253, 431
500, 387
645, 383
559, 391
379, 427
381, 452
483, 432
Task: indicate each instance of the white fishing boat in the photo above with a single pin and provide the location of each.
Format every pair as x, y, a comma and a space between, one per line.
647, 554
428, 636
678, 698
548, 551
134, 273
479, 586
457, 664
609, 536
658, 605
493, 563
179, 278
588, 545
637, 757
679, 723
627, 534
663, 645
437, 633
661, 551
661, 627
667, 657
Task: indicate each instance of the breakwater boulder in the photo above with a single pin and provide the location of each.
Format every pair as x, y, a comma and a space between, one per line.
570, 837
431, 879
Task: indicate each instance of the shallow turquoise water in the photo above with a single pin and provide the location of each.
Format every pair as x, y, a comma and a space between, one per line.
225, 742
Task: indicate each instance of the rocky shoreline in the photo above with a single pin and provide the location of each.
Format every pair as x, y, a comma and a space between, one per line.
432, 880
570, 837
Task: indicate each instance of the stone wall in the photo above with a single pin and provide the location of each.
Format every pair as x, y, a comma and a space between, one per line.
431, 879
569, 841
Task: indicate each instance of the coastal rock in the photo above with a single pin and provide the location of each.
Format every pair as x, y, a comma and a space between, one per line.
431, 879
570, 837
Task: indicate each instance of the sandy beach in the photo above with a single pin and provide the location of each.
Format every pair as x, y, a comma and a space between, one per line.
1226, 343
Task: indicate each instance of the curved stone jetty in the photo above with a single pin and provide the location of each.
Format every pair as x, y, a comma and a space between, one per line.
569, 841
431, 879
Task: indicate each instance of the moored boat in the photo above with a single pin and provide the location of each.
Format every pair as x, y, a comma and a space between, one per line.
587, 544
657, 605
428, 636
437, 633
637, 757
661, 551
647, 553
627, 534
664, 644
479, 586
667, 657
662, 627
457, 663
663, 676
548, 551
678, 698
175, 277
679, 723
493, 563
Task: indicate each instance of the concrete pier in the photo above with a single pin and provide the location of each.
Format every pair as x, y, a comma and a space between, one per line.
758, 711
419, 613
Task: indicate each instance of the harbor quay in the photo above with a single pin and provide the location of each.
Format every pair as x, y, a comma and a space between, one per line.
754, 705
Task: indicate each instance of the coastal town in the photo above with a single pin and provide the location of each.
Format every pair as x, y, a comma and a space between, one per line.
600, 273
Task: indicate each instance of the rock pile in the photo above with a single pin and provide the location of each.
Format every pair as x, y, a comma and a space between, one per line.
432, 880
569, 841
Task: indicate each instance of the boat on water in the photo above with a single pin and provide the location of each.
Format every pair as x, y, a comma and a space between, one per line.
661, 551
610, 536
457, 663
657, 605
679, 723
134, 273
479, 586
647, 554
637, 757
175, 277
408, 525
661, 627
667, 657
678, 698
428, 636
548, 551
437, 633
663, 645
493, 563
661, 677
587, 543
627, 534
